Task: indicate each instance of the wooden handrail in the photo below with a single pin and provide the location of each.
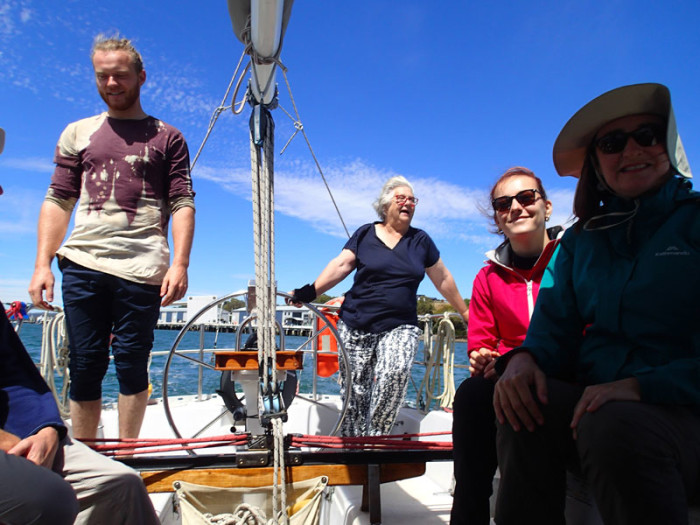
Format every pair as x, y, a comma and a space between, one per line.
162, 480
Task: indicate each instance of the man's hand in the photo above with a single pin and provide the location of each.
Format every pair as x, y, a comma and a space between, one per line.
42, 281
40, 448
595, 396
174, 284
53, 224
512, 399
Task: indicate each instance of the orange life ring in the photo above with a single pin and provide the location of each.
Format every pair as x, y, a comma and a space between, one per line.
326, 344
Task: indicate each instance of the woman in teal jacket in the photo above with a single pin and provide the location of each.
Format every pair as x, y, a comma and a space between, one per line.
608, 379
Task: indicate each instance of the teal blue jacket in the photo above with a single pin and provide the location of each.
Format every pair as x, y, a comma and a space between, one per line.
625, 301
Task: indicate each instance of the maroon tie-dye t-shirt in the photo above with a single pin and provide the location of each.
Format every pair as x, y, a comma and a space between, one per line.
128, 177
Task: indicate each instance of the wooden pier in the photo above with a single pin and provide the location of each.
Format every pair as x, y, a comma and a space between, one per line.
304, 331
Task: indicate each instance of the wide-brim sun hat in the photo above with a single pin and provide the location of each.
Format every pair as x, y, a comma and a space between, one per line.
575, 138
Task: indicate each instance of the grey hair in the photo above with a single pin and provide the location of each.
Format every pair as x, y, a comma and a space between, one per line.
387, 194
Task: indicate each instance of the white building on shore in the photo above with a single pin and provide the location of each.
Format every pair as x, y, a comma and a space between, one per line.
178, 314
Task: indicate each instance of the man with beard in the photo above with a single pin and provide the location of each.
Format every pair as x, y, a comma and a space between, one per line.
129, 174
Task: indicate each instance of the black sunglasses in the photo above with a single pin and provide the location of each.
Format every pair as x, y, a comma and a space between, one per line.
524, 198
645, 135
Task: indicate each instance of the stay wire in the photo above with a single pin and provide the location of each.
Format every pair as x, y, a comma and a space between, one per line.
222, 106
300, 128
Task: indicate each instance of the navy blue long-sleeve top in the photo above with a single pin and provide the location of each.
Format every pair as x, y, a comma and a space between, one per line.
26, 403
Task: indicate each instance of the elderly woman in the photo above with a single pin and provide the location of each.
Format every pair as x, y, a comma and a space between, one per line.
607, 380
503, 298
378, 320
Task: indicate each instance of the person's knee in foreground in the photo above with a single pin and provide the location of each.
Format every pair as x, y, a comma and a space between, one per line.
503, 298
46, 477
635, 422
108, 491
33, 494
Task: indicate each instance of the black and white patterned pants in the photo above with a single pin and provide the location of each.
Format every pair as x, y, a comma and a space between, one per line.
380, 365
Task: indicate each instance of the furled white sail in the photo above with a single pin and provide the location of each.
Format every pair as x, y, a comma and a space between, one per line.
261, 24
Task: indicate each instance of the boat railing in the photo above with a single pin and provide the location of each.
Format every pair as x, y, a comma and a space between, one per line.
54, 365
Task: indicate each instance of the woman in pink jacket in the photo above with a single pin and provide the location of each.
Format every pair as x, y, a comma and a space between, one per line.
503, 297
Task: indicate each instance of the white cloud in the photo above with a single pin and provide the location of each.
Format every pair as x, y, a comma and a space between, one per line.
13, 290
183, 95
34, 164
19, 210
562, 206
444, 209
6, 22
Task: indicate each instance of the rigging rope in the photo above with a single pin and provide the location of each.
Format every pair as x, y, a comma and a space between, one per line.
279, 482
262, 165
222, 107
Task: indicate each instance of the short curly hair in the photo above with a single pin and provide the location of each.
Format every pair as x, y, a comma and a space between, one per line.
117, 43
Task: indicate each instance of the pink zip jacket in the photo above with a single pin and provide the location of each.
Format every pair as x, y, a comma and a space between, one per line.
503, 300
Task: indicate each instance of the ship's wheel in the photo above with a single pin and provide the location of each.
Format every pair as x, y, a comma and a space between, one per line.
229, 391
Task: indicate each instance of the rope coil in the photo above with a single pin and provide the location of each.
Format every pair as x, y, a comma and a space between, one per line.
54, 359
440, 354
244, 514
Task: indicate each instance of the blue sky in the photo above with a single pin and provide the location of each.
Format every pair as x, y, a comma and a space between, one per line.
448, 97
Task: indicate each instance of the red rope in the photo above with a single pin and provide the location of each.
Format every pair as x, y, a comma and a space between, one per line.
164, 449
169, 441
129, 446
389, 442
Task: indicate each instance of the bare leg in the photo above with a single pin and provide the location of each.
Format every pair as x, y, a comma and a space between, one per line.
131, 411
85, 417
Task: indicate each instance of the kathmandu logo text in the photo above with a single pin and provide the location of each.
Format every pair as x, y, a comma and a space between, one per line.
671, 251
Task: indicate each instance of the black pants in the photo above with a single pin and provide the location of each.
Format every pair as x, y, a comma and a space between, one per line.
642, 462
474, 440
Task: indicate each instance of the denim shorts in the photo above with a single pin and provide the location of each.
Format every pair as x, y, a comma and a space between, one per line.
102, 311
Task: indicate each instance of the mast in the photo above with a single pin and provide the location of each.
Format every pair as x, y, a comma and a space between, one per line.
260, 25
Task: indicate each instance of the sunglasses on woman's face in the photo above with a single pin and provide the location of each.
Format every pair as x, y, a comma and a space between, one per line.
524, 198
645, 135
